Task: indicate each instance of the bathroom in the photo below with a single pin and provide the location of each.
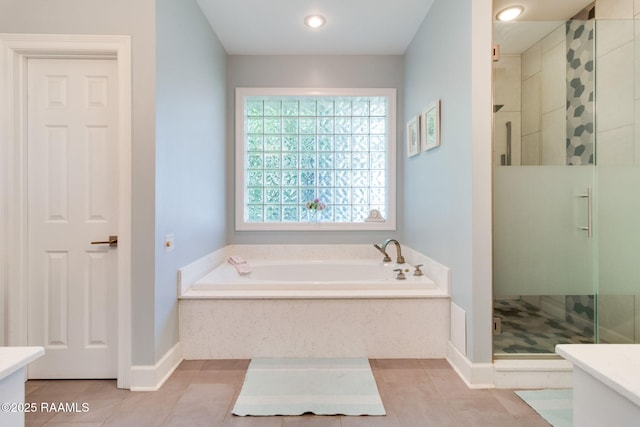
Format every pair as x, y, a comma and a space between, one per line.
181, 155
182, 174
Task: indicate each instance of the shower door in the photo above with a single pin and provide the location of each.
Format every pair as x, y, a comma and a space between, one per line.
566, 227
544, 190
543, 258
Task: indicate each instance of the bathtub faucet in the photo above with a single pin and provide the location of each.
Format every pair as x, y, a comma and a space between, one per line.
386, 258
383, 249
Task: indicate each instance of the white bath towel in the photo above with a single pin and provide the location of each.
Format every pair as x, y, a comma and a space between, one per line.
241, 264
236, 259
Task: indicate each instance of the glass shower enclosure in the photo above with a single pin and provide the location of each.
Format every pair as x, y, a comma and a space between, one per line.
566, 185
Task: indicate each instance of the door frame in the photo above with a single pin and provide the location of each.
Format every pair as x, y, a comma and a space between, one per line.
15, 51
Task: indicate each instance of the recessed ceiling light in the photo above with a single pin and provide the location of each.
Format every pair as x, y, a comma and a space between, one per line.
510, 13
314, 21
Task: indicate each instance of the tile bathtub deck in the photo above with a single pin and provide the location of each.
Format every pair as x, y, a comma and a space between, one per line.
415, 393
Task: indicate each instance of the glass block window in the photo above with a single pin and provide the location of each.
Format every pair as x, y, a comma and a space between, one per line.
321, 159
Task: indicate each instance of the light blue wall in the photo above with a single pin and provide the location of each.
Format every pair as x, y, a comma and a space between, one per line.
309, 71
439, 205
190, 152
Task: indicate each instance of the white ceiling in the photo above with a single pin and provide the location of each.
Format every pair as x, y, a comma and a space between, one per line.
354, 27
359, 27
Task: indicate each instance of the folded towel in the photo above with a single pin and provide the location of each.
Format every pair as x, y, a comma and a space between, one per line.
236, 259
241, 265
243, 269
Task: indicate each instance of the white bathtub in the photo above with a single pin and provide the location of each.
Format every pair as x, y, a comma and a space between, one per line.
313, 279
312, 301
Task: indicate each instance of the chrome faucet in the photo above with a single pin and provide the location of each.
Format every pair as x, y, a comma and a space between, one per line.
383, 249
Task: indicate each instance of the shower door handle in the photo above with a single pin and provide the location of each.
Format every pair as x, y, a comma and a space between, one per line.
508, 157
589, 227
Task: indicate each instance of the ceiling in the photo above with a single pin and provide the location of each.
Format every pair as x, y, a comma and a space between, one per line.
360, 27
354, 27
539, 18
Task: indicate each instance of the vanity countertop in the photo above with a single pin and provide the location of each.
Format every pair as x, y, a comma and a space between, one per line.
615, 365
14, 358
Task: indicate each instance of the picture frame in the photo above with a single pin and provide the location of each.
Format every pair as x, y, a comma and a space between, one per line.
413, 136
430, 126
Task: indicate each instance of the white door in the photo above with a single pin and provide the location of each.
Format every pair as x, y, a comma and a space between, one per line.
72, 201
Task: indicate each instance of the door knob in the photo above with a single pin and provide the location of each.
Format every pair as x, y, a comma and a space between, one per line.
112, 242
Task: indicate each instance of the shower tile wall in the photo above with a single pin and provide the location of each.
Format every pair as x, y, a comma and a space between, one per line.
580, 312
580, 96
507, 92
615, 89
530, 327
531, 138
618, 51
553, 97
618, 160
543, 100
616, 323
615, 9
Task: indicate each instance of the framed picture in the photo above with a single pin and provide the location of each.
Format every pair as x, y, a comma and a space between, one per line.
413, 136
430, 137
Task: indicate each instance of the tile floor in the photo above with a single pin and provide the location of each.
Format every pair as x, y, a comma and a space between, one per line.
415, 393
527, 329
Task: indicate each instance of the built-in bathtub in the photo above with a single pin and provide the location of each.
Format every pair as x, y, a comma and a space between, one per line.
313, 301
286, 278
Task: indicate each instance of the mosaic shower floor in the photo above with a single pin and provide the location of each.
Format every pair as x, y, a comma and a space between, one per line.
526, 329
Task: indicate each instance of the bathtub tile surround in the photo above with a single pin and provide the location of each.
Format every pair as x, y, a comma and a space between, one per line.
330, 326
388, 328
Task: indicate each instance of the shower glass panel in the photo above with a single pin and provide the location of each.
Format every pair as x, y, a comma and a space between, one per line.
618, 179
566, 228
544, 178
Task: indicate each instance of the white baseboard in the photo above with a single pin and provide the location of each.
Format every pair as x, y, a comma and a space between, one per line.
475, 375
512, 374
458, 331
533, 374
151, 378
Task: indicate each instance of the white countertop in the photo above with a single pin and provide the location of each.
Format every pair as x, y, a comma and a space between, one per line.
616, 365
14, 358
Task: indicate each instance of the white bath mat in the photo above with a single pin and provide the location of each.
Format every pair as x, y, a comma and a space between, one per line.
555, 406
319, 386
